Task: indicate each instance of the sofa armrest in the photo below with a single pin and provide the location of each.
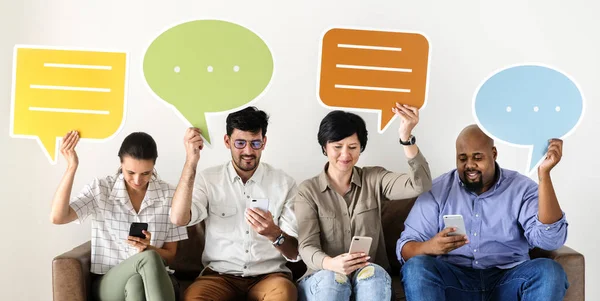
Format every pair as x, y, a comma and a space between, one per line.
71, 274
573, 263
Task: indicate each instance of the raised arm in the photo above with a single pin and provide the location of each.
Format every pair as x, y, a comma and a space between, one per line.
62, 212
409, 117
549, 209
541, 217
181, 207
418, 180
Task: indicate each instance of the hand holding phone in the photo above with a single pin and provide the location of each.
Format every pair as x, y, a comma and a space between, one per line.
345, 263
448, 239
348, 263
136, 230
360, 244
455, 221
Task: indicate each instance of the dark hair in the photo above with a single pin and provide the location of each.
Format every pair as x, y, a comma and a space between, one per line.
249, 119
338, 125
140, 146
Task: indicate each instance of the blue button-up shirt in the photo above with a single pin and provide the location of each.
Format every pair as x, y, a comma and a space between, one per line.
502, 223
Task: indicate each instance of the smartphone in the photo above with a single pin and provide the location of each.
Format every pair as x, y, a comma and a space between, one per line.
360, 244
262, 204
137, 228
455, 221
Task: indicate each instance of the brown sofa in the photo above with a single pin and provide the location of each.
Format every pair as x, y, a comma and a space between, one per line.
71, 277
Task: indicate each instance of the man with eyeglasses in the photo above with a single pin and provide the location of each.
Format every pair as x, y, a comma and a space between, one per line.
246, 247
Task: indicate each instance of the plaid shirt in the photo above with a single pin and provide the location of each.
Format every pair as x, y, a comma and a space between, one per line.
107, 201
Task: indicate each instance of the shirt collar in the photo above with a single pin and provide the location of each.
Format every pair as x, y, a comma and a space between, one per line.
324, 179
499, 172
257, 177
153, 193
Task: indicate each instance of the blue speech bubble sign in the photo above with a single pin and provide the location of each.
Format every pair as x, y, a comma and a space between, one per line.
527, 105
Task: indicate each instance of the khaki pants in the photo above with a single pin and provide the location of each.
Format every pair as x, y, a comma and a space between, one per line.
211, 286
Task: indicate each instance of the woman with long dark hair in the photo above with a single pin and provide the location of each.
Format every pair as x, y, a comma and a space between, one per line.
124, 267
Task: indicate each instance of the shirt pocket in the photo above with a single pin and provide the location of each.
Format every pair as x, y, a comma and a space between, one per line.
327, 224
222, 218
367, 221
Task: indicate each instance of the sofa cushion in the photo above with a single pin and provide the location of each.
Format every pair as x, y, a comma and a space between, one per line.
394, 214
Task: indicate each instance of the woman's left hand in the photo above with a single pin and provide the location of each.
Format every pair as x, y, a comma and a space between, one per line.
409, 117
139, 243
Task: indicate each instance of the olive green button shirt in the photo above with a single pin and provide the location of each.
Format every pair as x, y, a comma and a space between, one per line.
327, 221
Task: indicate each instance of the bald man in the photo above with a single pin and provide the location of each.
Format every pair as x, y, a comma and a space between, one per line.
505, 214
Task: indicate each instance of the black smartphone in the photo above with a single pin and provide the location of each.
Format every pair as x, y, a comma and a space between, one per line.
137, 228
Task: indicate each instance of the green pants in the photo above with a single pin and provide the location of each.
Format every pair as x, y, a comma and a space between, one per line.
141, 277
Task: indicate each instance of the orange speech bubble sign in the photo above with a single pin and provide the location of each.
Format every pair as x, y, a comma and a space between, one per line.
366, 69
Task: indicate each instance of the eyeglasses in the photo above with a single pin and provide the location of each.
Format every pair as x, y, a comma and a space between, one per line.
254, 144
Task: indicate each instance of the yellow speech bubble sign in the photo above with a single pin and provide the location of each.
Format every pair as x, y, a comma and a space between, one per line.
58, 90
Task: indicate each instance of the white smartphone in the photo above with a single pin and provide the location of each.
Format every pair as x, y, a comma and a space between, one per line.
360, 244
262, 204
455, 221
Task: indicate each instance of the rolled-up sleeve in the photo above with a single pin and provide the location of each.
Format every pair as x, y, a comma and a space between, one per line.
421, 223
396, 186
85, 204
199, 202
544, 236
309, 241
287, 220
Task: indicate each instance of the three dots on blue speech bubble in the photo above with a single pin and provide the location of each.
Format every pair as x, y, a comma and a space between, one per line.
526, 105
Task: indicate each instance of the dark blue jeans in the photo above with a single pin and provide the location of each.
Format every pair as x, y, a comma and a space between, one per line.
427, 278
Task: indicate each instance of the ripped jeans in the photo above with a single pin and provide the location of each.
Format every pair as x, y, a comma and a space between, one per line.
369, 283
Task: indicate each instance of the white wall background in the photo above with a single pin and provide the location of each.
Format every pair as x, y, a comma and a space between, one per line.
469, 39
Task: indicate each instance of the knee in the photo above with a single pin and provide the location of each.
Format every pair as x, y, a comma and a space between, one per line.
373, 272
550, 272
286, 289
416, 267
417, 264
148, 258
151, 256
196, 291
330, 280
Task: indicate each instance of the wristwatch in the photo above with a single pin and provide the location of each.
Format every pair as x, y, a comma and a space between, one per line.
411, 140
279, 240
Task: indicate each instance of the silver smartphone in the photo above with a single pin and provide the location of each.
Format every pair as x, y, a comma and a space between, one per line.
455, 221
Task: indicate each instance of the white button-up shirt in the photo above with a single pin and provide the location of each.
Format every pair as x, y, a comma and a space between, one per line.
107, 201
220, 199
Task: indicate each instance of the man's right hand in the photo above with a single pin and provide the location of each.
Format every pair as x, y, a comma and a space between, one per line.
346, 263
193, 144
442, 243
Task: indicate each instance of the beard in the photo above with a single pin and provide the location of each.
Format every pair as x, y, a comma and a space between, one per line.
474, 186
242, 165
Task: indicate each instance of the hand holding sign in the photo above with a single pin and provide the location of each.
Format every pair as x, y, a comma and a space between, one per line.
528, 105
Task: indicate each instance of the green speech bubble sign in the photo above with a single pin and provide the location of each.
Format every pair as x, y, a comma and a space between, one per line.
207, 66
